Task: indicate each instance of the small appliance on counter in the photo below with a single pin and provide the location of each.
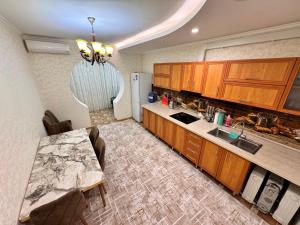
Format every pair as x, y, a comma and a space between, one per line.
141, 85
209, 115
152, 97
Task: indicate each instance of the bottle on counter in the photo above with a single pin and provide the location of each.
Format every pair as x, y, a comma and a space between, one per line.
228, 121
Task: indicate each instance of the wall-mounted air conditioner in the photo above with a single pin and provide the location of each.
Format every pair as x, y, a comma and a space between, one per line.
47, 47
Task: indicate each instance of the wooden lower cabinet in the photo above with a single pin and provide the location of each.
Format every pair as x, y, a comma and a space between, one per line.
233, 171
227, 167
180, 138
210, 158
159, 126
192, 147
152, 123
169, 131
146, 118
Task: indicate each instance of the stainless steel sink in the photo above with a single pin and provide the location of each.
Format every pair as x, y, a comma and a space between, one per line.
243, 143
221, 134
247, 145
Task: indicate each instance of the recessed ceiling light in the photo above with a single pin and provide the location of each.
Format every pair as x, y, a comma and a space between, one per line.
195, 30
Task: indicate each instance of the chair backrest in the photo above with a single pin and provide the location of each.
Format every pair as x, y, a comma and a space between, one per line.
51, 115
100, 151
94, 135
67, 210
47, 121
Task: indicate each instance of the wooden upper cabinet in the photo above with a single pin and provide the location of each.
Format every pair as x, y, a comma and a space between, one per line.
176, 76
233, 171
198, 77
162, 75
290, 101
169, 131
210, 158
192, 147
162, 69
180, 138
262, 71
263, 96
146, 118
213, 77
187, 76
192, 77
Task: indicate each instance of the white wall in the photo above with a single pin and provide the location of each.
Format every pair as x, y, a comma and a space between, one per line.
269, 44
52, 73
21, 115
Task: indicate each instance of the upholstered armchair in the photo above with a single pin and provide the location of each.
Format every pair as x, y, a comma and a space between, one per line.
54, 126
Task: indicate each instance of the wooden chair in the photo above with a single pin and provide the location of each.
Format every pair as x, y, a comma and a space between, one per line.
94, 134
100, 153
67, 210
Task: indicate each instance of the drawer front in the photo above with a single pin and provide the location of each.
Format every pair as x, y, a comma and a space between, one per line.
192, 148
264, 71
262, 96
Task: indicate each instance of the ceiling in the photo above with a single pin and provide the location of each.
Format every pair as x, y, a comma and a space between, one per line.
115, 19
219, 18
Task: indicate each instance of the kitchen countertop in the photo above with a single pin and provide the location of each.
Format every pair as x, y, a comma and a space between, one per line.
275, 157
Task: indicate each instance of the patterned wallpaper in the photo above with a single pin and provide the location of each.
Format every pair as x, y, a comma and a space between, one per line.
52, 73
198, 51
21, 112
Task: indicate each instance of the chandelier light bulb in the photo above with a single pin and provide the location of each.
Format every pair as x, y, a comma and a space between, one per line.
97, 46
82, 44
87, 51
109, 50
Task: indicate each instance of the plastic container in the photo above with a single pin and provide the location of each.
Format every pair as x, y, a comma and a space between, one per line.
221, 116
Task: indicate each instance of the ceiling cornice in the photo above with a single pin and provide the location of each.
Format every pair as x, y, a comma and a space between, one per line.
184, 14
285, 31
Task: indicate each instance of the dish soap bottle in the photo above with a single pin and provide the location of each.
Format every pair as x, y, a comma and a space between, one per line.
228, 121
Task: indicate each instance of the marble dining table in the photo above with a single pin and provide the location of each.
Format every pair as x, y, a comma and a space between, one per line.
62, 162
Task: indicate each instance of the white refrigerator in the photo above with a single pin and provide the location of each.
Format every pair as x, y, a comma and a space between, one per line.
141, 85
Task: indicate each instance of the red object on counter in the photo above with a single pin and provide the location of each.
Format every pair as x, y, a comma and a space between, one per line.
164, 100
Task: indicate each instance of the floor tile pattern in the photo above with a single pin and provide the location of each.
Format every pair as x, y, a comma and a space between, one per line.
104, 116
148, 183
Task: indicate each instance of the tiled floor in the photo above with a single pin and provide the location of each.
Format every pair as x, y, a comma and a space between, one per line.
148, 183
104, 116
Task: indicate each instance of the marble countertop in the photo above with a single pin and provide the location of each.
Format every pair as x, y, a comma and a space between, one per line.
62, 162
275, 157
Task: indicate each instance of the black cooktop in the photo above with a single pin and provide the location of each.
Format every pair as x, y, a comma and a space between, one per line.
184, 117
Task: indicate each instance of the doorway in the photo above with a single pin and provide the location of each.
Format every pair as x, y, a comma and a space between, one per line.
96, 86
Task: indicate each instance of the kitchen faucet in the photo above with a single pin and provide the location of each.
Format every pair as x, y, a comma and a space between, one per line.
242, 131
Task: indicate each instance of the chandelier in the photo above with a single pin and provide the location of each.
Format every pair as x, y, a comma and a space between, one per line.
94, 51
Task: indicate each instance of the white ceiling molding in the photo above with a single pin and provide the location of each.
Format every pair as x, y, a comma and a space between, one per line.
286, 31
184, 14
